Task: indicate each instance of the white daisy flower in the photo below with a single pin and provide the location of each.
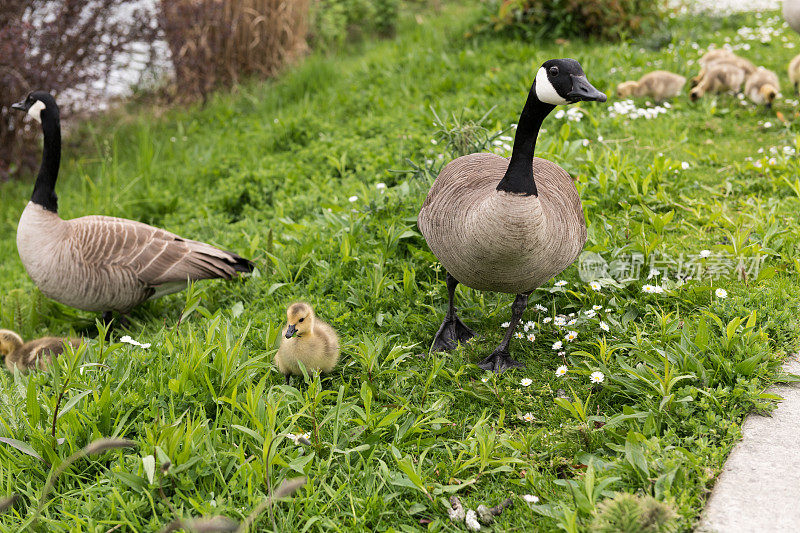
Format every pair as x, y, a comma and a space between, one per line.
526, 327
528, 417
560, 321
560, 371
571, 336
558, 345
597, 307
705, 253
604, 326
562, 354
530, 498
353, 198
540, 307
590, 313
526, 382
685, 165
560, 283
505, 324
531, 337
547, 319
595, 285
721, 293
531, 324
380, 186
519, 335
572, 322
597, 377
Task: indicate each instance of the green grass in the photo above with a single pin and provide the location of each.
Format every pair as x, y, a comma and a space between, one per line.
268, 170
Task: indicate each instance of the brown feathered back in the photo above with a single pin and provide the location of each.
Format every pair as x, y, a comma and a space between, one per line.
500, 241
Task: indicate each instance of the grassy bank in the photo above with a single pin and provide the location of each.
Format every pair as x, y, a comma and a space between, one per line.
288, 173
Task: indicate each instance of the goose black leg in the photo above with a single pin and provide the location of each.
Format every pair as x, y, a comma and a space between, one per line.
452, 331
500, 360
287, 379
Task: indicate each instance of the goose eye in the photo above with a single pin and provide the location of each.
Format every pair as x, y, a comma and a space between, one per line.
553, 72
301, 319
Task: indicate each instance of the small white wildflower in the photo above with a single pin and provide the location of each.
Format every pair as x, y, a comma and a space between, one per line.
653, 273
505, 324
571, 336
705, 253
721, 293
528, 417
604, 326
590, 313
530, 498
572, 322
472, 521
526, 382
526, 327
519, 335
596, 286
597, 307
380, 186
597, 377
768, 124
485, 379
540, 307
531, 324
685, 165
560, 283
531, 337
353, 199
558, 345
560, 371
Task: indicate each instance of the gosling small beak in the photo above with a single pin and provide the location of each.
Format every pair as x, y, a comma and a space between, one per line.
290, 331
19, 106
583, 90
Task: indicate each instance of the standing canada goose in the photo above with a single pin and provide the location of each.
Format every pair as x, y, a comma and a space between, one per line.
508, 225
719, 78
794, 73
762, 87
791, 13
660, 85
308, 340
99, 263
32, 354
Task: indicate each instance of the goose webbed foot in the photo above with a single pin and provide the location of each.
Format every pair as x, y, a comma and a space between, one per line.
499, 361
451, 332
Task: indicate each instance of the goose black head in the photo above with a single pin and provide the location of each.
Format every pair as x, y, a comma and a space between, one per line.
36, 104
562, 81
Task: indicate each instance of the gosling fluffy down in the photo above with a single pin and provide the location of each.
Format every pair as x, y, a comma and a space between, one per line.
728, 58
794, 73
660, 85
762, 87
719, 78
307, 340
32, 355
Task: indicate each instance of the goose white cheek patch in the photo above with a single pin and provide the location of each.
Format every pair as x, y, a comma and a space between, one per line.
35, 110
545, 91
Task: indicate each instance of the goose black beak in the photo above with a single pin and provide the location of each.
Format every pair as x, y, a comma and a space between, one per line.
583, 90
20, 106
290, 331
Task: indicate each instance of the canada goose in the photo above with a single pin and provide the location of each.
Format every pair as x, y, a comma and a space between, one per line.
32, 354
791, 13
794, 73
731, 59
660, 85
762, 87
308, 340
718, 78
99, 263
508, 225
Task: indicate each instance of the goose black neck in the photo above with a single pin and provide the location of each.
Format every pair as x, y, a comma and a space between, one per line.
519, 175
44, 192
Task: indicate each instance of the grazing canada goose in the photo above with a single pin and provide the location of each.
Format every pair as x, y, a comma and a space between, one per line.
794, 73
99, 263
508, 225
660, 85
762, 87
33, 354
308, 340
719, 78
730, 59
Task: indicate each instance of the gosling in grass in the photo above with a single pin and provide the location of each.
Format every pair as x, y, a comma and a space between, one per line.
762, 87
660, 85
32, 355
719, 78
307, 340
728, 58
794, 73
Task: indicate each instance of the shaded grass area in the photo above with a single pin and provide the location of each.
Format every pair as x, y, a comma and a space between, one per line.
269, 171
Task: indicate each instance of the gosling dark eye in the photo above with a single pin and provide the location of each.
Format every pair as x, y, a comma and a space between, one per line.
553, 72
301, 319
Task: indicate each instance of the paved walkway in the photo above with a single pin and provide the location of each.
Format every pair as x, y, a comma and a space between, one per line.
759, 488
